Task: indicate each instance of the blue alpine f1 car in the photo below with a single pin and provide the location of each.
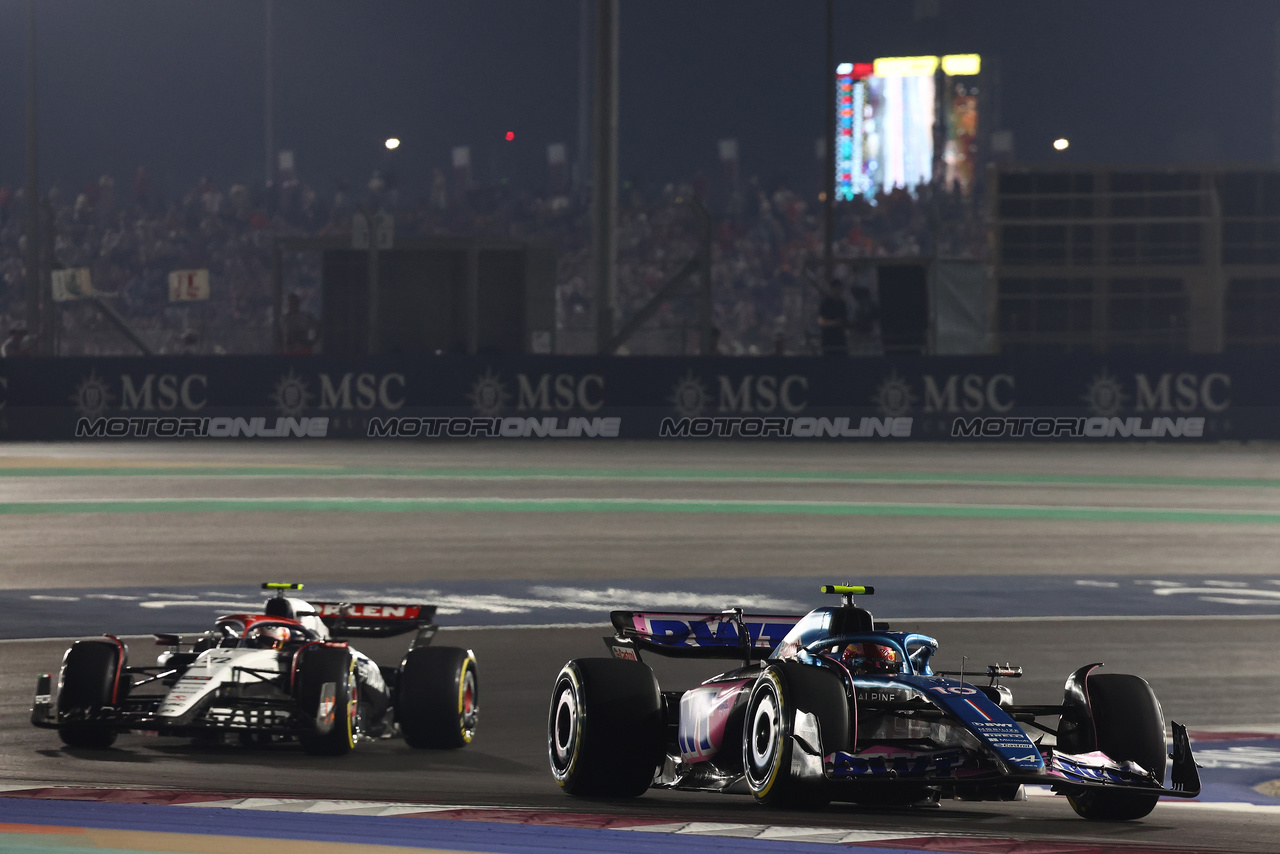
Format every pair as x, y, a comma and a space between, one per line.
835, 706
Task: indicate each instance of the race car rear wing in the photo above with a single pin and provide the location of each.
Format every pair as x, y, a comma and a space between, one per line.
696, 634
376, 620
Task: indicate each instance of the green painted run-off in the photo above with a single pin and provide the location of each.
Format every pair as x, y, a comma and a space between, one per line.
631, 505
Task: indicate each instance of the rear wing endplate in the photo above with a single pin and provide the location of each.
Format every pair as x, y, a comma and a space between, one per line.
696, 634
375, 619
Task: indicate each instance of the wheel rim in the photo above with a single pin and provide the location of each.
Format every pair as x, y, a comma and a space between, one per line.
470, 703
564, 728
764, 736
353, 707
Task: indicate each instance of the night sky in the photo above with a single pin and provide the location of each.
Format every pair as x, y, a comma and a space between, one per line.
176, 85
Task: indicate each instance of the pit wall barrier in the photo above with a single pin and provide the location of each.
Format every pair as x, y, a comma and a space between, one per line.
969, 398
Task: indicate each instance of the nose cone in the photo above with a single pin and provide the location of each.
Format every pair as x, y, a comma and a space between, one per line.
213, 669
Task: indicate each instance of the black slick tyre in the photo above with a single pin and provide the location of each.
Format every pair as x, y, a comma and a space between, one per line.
438, 701
91, 679
605, 728
318, 667
766, 741
1130, 726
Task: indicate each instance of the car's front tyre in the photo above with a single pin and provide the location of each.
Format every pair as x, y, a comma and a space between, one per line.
92, 678
1130, 727
328, 696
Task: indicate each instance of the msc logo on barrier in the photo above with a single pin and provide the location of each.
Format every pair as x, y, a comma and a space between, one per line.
538, 393
292, 396
748, 394
362, 391
970, 393
169, 391
346, 392
149, 393
954, 394
1106, 394
92, 396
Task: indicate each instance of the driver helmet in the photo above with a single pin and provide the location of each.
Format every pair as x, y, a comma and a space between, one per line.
870, 659
269, 637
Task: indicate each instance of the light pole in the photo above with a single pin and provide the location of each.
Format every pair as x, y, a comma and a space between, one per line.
828, 150
582, 157
604, 186
268, 101
33, 189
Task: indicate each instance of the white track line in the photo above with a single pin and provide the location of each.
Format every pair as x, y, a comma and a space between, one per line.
738, 829
750, 479
682, 502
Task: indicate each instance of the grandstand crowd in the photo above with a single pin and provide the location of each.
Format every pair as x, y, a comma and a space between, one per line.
766, 254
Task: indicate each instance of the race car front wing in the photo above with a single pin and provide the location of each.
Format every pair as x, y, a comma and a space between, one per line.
230, 709
1064, 772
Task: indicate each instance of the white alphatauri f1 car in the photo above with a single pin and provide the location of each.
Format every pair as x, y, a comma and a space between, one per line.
285, 674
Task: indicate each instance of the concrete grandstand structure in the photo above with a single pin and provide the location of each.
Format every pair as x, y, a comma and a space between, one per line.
1106, 258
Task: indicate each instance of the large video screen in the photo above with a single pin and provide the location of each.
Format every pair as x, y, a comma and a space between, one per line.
851, 98
898, 123
961, 153
886, 115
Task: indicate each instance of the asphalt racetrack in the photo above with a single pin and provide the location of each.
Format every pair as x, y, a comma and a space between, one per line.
1109, 527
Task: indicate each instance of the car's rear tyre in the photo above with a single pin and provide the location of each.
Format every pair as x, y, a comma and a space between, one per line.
91, 678
319, 666
438, 701
605, 728
1130, 726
